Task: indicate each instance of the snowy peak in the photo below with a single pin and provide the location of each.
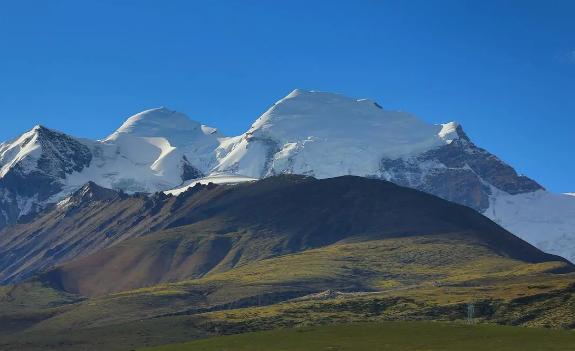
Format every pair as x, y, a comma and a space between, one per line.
45, 150
452, 131
152, 122
331, 106
165, 141
327, 135
327, 116
316, 96
34, 167
161, 122
323, 110
24, 148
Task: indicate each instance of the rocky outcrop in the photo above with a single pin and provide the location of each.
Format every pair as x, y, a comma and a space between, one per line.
189, 172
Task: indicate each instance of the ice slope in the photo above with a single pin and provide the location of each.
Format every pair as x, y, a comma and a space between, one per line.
327, 135
544, 219
160, 132
24, 150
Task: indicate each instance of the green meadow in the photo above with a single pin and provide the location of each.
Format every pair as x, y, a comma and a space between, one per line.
392, 336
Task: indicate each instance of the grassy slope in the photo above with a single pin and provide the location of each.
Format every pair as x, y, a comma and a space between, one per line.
416, 265
379, 307
415, 278
396, 336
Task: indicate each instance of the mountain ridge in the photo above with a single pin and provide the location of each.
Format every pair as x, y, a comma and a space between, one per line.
95, 221
313, 133
215, 228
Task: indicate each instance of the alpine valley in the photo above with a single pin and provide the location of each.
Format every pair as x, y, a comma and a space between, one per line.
328, 210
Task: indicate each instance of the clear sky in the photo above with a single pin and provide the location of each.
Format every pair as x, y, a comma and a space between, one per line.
504, 69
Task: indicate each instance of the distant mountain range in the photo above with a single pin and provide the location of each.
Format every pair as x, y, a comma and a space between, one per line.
317, 134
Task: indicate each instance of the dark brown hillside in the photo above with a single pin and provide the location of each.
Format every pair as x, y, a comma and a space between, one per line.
308, 213
212, 229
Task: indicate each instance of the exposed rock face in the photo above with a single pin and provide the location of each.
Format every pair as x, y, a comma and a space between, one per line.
188, 171
90, 192
459, 171
61, 154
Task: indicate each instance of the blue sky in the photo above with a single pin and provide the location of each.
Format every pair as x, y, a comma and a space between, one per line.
504, 69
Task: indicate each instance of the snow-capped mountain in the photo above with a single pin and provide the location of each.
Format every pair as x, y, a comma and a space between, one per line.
327, 135
312, 133
154, 150
33, 167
